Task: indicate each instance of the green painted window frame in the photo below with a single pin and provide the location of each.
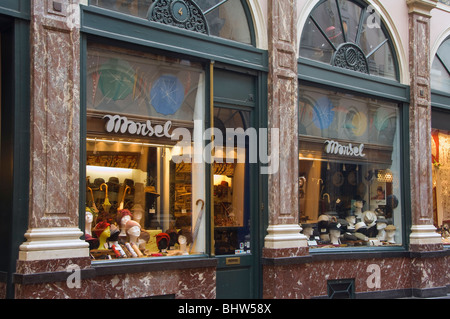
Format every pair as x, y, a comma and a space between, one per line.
314, 73
116, 28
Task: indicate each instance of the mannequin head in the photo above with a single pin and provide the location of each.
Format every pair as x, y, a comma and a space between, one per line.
308, 230
122, 218
138, 212
390, 233
103, 231
133, 230
335, 233
89, 219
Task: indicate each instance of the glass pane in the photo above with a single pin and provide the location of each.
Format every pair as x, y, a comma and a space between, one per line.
140, 201
327, 17
314, 45
444, 53
231, 193
351, 14
371, 36
381, 63
228, 20
150, 86
440, 78
138, 8
349, 166
440, 148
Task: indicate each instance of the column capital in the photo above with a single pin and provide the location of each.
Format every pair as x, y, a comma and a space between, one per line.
422, 7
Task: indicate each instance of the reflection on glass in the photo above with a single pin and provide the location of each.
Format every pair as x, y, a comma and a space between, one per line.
349, 169
140, 202
440, 147
231, 213
227, 21
335, 23
440, 69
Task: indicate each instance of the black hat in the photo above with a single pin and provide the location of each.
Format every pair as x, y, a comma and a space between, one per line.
335, 226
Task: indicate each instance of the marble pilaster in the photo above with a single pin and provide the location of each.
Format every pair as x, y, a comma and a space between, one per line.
283, 231
55, 127
423, 235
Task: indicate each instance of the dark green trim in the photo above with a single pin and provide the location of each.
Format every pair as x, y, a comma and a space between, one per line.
122, 27
405, 174
326, 75
16, 8
440, 99
15, 143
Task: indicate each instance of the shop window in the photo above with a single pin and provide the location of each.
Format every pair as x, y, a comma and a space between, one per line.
440, 69
225, 19
141, 201
349, 35
441, 175
349, 170
231, 191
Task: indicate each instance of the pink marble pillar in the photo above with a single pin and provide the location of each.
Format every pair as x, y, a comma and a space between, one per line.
53, 230
283, 231
423, 233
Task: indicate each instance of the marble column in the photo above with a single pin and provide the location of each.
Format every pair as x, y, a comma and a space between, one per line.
283, 230
53, 231
423, 233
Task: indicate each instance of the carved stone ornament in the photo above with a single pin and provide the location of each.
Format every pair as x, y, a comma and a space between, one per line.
183, 14
349, 56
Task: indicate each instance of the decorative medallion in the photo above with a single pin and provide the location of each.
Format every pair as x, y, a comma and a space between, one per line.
349, 56
183, 14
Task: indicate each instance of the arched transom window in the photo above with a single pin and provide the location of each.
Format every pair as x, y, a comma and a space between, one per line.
351, 35
227, 19
440, 69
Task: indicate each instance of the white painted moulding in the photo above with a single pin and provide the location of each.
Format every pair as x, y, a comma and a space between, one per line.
53, 243
424, 234
285, 236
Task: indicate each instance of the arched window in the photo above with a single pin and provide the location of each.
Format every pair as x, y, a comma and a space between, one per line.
440, 69
227, 19
350, 35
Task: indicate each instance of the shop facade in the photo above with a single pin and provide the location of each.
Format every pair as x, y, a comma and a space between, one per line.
225, 149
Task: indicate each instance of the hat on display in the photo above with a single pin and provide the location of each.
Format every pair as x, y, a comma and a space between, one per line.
360, 225
162, 240
151, 190
335, 226
369, 217
131, 223
390, 227
100, 228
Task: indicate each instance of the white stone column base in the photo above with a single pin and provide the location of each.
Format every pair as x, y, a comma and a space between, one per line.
285, 236
53, 243
424, 234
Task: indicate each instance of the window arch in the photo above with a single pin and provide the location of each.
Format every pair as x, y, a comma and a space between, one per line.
349, 34
228, 19
440, 69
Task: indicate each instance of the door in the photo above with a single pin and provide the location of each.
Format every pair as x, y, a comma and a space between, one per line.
235, 224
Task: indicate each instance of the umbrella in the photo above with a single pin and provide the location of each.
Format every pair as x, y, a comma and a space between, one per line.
197, 224
116, 80
106, 204
167, 94
127, 188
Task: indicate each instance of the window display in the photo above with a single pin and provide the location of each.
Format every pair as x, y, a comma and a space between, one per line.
349, 166
231, 192
140, 201
440, 146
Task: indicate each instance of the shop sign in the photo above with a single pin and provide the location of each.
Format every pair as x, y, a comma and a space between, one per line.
122, 124
334, 147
